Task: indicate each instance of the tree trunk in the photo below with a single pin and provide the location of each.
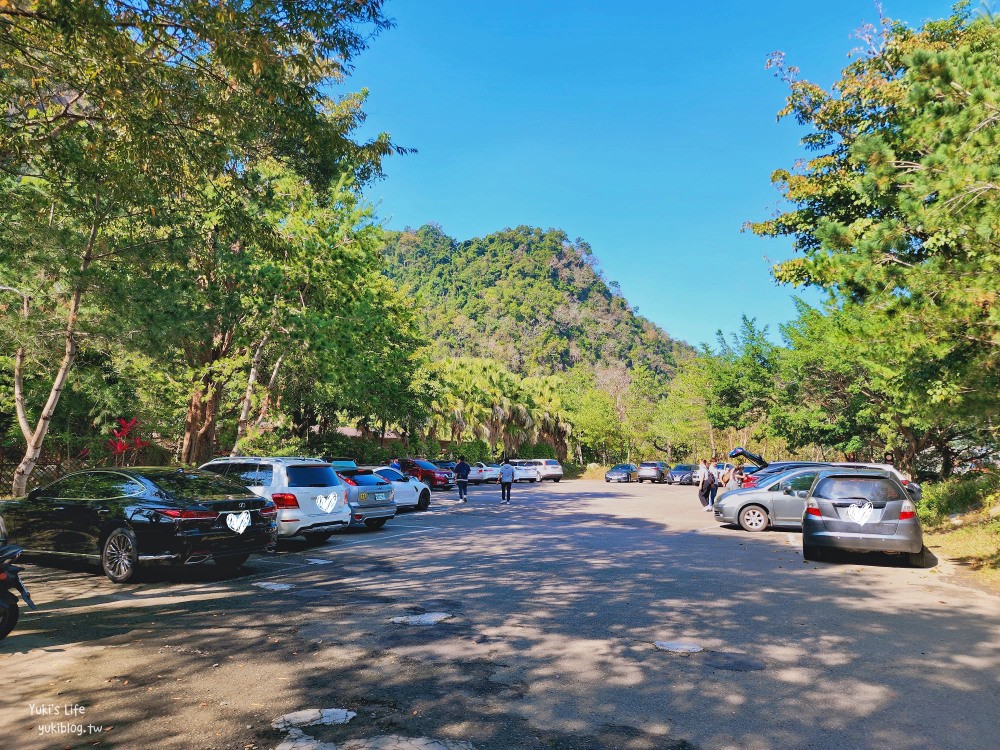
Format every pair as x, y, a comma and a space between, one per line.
241, 425
266, 402
37, 438
201, 420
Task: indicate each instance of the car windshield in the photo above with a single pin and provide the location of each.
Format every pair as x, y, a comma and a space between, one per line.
311, 476
621, 467
196, 486
551, 462
684, 467
425, 464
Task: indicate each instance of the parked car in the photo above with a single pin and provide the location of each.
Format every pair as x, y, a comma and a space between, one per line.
408, 492
311, 498
548, 468
766, 470
481, 472
654, 471
622, 473
370, 496
124, 518
525, 470
771, 503
683, 474
434, 477
860, 512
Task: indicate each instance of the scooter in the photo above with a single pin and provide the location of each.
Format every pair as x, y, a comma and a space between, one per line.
10, 580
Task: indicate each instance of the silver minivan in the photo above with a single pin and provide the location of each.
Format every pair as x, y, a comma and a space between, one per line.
860, 512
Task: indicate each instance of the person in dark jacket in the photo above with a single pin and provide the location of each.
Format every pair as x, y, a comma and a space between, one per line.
462, 470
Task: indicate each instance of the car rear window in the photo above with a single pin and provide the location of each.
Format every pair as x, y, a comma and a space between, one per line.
867, 488
648, 465
551, 462
311, 476
366, 479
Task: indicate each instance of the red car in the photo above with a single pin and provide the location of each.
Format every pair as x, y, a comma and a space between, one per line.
434, 477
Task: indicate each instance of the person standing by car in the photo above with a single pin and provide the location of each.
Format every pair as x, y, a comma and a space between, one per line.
462, 470
717, 469
506, 481
706, 482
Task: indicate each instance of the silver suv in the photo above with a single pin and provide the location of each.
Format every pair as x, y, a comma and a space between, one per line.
311, 498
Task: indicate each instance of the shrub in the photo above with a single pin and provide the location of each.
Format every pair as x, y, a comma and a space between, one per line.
958, 495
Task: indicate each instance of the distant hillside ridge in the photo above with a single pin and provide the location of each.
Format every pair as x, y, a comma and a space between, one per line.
527, 297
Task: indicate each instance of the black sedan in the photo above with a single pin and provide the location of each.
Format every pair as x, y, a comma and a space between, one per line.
125, 517
622, 473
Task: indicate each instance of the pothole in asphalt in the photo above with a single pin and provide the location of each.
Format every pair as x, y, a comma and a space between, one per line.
732, 662
678, 647
296, 739
427, 618
269, 586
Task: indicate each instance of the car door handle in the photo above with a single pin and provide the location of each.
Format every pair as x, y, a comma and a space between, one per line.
59, 507
103, 510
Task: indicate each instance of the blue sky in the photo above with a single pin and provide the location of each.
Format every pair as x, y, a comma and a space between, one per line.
646, 128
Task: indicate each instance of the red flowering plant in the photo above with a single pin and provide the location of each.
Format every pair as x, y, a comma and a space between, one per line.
121, 445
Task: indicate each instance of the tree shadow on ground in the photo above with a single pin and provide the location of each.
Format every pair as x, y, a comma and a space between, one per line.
555, 609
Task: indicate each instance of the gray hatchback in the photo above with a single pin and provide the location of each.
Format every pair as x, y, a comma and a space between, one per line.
860, 512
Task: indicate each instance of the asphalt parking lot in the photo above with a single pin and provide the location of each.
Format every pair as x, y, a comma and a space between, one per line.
552, 606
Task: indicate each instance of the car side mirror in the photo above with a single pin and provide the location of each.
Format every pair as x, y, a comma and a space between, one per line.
34, 493
802, 494
786, 488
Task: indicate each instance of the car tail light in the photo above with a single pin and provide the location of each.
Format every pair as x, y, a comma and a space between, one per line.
750, 481
906, 482
908, 511
188, 515
812, 509
270, 509
348, 480
285, 500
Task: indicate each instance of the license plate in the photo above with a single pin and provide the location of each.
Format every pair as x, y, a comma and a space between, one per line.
381, 496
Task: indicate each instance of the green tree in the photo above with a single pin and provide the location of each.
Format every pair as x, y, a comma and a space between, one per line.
118, 117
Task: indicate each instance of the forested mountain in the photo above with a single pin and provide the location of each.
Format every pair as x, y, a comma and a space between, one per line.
529, 298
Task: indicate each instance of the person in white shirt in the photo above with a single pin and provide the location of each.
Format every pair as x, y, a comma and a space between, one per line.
706, 482
506, 481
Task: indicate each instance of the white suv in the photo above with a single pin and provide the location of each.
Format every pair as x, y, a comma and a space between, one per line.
311, 498
548, 468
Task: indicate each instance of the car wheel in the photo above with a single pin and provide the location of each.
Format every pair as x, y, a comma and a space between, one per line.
640, 480
813, 553
317, 537
607, 481
917, 559
556, 480
753, 518
375, 523
120, 555
231, 562
425, 500
8, 614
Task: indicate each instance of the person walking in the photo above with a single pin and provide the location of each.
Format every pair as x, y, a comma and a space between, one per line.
706, 481
506, 481
462, 470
